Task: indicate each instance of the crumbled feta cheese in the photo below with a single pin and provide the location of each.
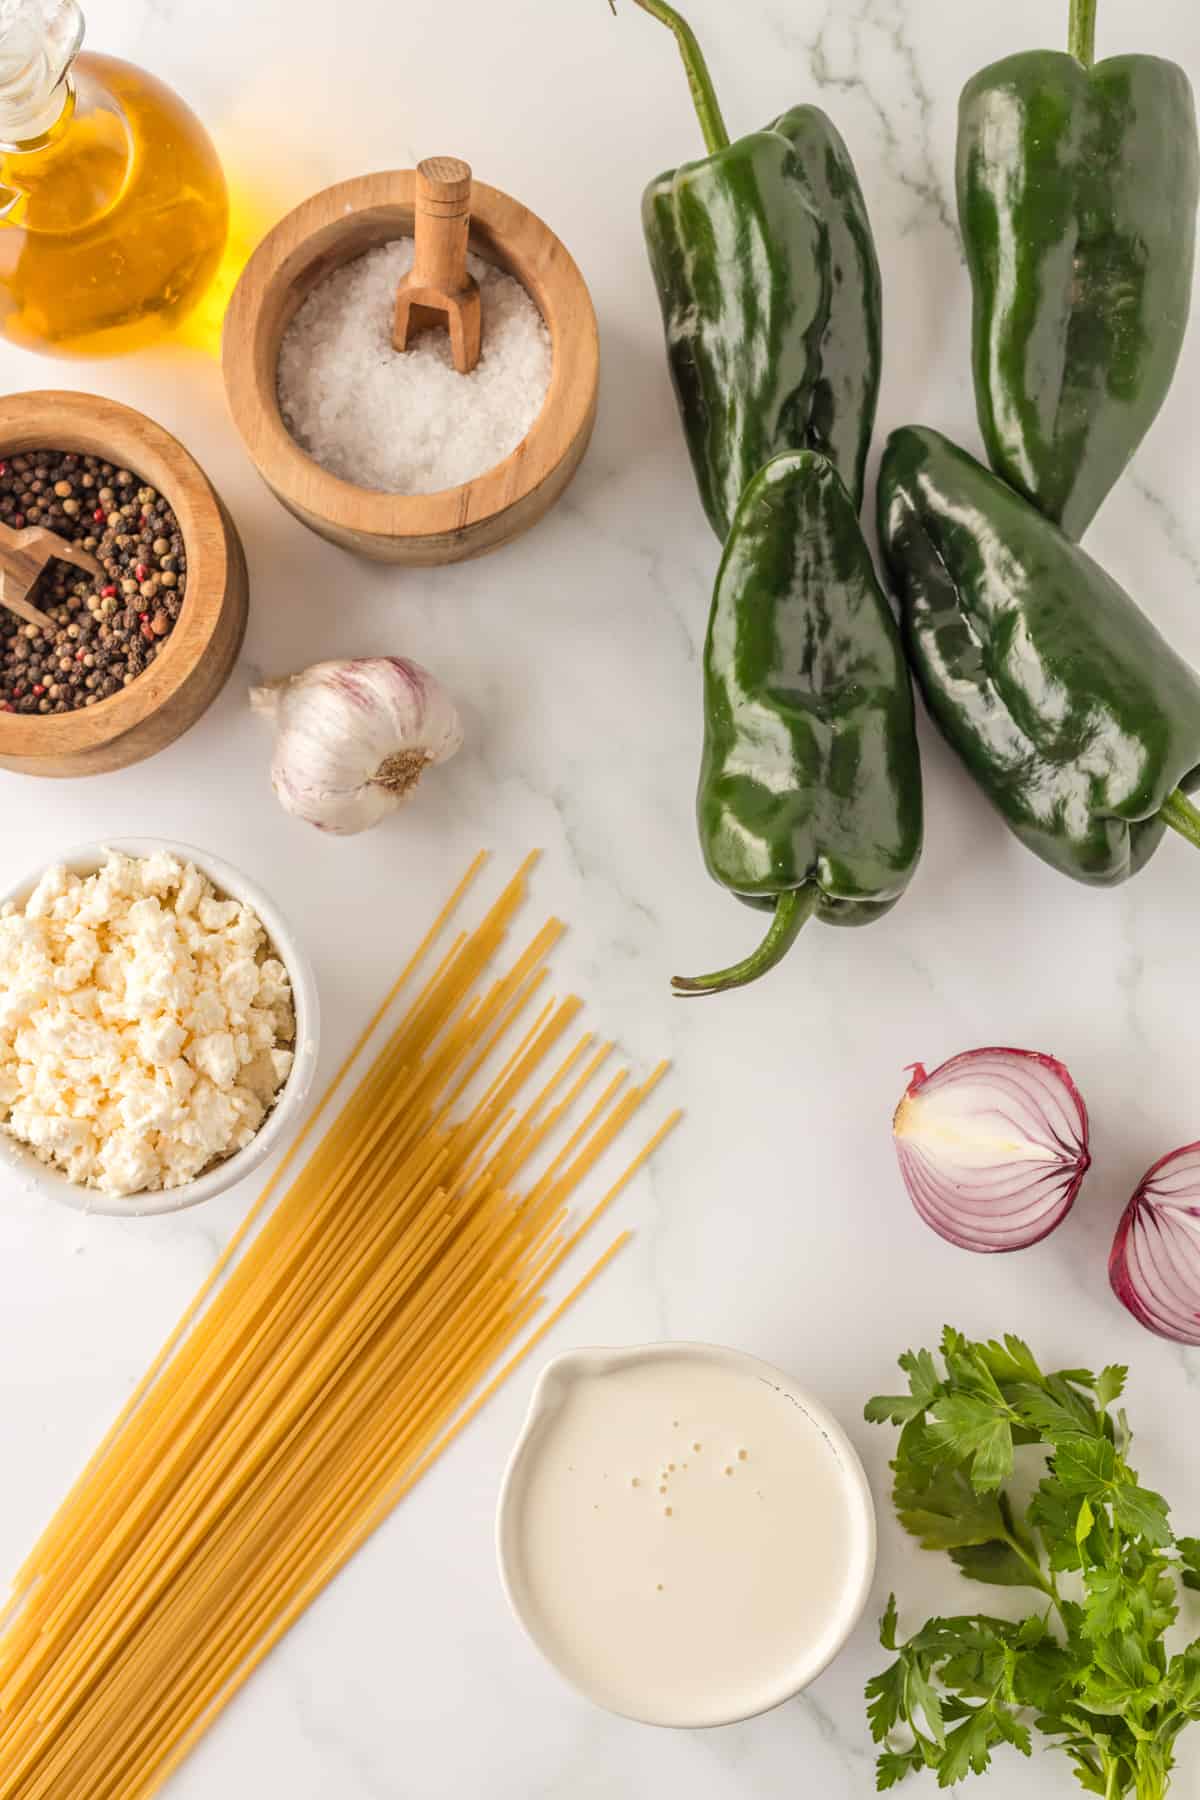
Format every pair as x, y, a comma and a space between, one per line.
40, 903
272, 982
144, 1023
216, 915
215, 1056
191, 888
160, 873
160, 1039
239, 985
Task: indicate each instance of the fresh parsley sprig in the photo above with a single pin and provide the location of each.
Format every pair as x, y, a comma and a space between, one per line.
1088, 1668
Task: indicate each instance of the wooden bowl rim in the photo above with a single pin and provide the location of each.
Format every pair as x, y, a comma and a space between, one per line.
83, 422
295, 476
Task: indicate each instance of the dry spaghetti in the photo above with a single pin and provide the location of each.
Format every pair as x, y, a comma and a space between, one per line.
337, 1349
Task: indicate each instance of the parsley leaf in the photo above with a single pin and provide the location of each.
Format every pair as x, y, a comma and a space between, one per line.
921, 1697
1055, 1516
885, 1695
999, 1564
1111, 1384
1090, 1672
1085, 1466
1090, 1466
942, 1509
972, 1428
1056, 1411
923, 1387
1183, 1675
969, 1748
1142, 1514
1189, 1550
1012, 1360
1109, 1605
894, 1765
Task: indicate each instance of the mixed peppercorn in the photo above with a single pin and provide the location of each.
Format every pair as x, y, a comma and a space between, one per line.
105, 633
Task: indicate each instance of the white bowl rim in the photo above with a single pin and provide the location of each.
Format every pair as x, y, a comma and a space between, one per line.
860, 1505
28, 1168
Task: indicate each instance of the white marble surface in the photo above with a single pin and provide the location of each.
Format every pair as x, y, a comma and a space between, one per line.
775, 1221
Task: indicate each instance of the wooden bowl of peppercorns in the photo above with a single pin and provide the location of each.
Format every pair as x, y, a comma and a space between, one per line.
136, 657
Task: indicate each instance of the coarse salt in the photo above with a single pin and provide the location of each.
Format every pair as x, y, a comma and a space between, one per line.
407, 422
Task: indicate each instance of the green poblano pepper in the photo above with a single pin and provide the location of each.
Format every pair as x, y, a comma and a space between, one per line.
1073, 714
768, 281
1077, 193
810, 787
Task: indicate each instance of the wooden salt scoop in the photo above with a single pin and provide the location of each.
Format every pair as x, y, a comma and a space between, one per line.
437, 292
23, 556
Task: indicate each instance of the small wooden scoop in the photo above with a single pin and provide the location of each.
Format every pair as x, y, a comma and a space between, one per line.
437, 291
23, 556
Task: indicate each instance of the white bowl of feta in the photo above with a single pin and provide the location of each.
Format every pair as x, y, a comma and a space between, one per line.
159, 1028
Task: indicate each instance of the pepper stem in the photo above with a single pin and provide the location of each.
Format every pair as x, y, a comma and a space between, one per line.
1081, 41
704, 94
1178, 812
792, 911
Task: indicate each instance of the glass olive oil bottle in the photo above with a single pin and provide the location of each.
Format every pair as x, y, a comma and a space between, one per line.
113, 209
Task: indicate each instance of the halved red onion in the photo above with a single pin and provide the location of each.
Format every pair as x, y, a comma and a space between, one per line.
993, 1147
1154, 1266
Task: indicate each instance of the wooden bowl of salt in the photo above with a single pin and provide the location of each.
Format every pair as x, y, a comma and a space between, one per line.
306, 377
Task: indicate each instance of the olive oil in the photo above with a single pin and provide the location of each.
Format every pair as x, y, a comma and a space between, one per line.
113, 212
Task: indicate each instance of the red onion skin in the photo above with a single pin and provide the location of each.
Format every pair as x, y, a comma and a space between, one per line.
920, 1076
1121, 1277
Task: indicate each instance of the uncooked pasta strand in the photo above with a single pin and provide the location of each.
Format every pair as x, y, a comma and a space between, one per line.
341, 1344
256, 1211
363, 1530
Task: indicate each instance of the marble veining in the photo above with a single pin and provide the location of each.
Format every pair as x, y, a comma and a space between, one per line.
870, 48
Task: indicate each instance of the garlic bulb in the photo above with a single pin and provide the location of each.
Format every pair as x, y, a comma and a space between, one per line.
352, 739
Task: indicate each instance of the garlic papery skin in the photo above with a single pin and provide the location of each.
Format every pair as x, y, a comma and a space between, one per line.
352, 739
